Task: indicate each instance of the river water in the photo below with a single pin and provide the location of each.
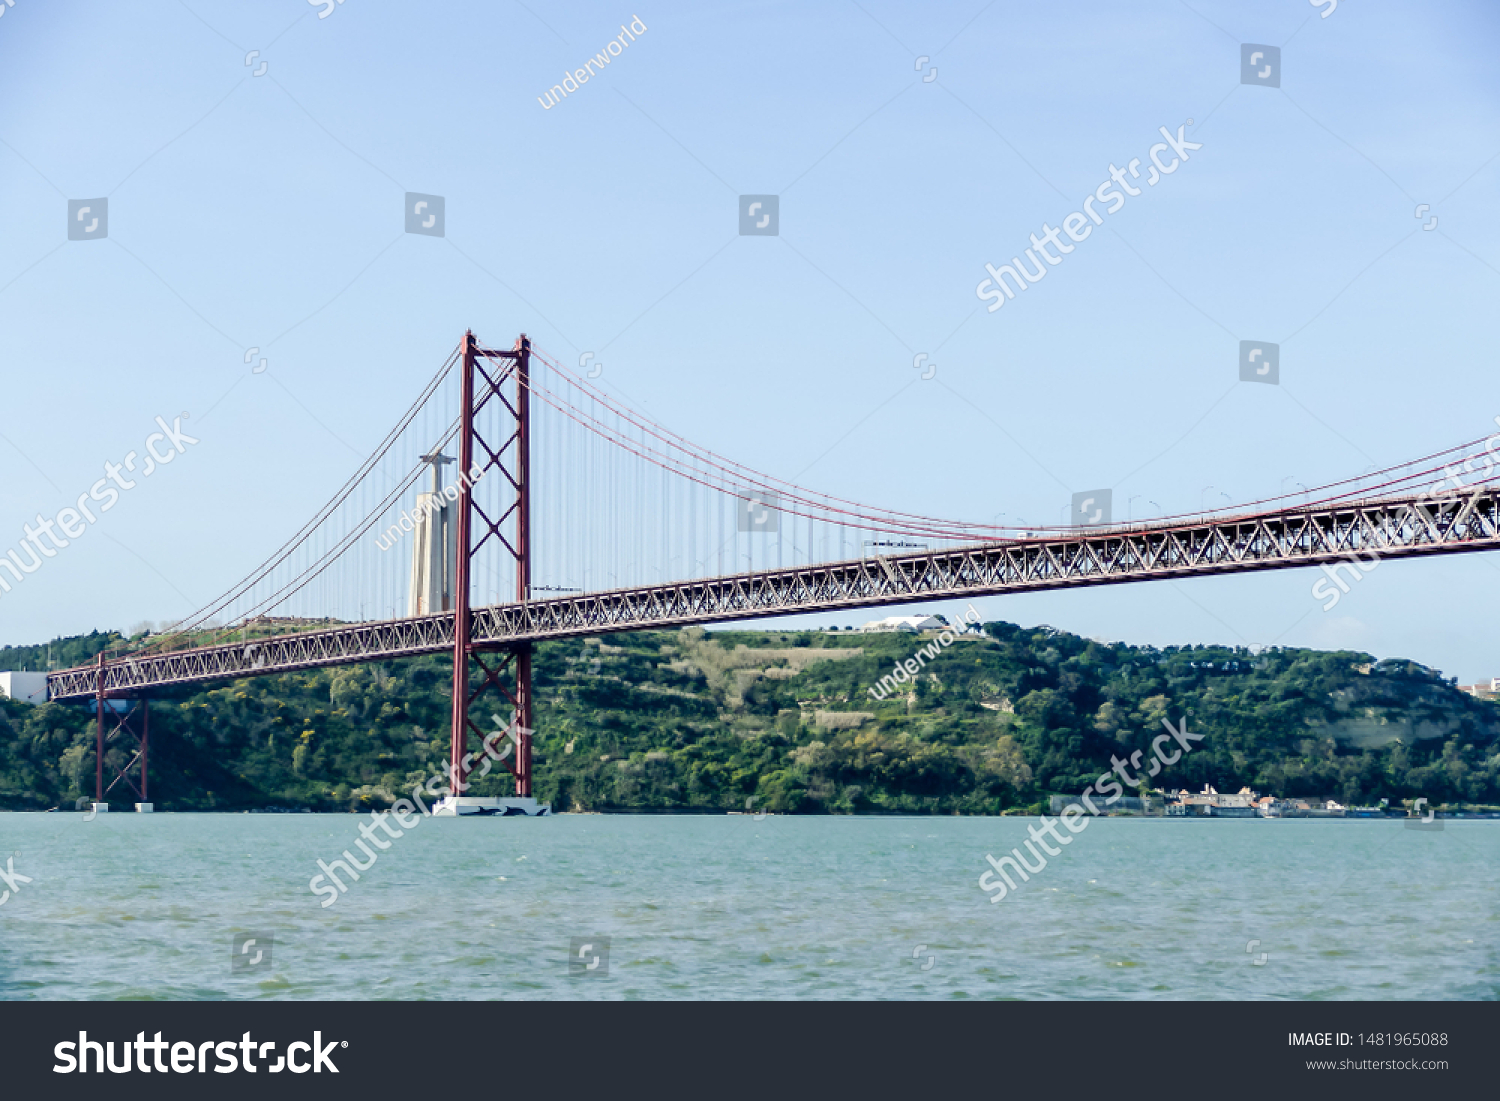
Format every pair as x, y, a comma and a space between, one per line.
136, 906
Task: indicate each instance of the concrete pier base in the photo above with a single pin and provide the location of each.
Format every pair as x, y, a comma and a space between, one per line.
470, 805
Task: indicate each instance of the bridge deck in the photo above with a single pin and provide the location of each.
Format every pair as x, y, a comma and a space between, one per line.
1390, 528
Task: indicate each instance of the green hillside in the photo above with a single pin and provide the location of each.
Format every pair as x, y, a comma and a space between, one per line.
660, 720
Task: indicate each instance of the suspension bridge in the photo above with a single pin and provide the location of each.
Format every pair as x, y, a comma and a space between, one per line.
570, 514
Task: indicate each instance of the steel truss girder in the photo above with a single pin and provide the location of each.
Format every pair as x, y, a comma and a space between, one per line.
1389, 528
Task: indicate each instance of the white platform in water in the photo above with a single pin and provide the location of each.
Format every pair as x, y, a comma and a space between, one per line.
145, 808
100, 808
505, 806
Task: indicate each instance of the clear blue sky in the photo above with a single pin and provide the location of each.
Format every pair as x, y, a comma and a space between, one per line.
266, 211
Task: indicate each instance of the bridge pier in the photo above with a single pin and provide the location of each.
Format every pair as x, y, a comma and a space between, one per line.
131, 709
516, 365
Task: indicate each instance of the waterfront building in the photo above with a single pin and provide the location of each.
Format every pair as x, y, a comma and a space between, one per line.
1210, 803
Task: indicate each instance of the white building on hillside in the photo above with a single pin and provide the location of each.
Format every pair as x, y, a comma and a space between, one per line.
27, 687
911, 623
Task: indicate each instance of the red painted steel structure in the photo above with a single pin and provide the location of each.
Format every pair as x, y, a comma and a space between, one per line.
502, 367
1296, 538
123, 722
1331, 531
99, 734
